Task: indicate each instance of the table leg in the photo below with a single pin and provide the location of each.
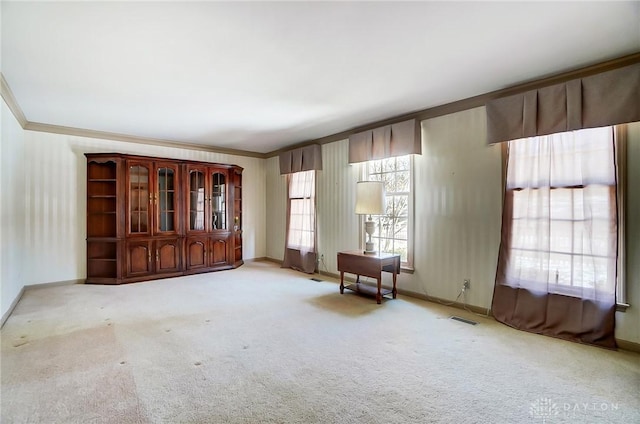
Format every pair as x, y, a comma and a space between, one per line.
341, 282
395, 274
395, 292
379, 295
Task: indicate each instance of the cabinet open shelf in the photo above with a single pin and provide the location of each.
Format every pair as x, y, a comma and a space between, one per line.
99, 249
102, 171
101, 199
102, 268
101, 188
102, 259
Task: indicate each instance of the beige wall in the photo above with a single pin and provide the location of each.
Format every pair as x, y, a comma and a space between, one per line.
458, 200
628, 323
276, 214
11, 213
338, 225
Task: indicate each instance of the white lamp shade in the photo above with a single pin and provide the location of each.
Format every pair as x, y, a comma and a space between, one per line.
370, 198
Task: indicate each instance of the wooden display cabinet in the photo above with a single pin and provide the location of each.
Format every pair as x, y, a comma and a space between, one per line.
153, 218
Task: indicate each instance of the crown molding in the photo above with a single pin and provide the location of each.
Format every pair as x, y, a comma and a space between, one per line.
476, 101
80, 132
11, 101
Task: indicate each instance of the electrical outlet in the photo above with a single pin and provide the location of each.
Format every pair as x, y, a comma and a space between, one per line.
466, 284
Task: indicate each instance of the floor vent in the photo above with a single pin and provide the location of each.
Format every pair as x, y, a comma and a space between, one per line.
466, 321
315, 279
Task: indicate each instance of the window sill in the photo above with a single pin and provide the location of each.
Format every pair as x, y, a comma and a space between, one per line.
406, 270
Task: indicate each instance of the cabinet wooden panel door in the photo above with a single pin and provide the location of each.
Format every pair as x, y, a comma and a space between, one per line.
208, 251
220, 250
196, 252
167, 256
146, 257
139, 258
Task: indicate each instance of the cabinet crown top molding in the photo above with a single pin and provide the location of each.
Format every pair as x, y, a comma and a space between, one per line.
127, 156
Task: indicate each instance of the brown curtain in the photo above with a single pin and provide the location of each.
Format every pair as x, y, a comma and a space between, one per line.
608, 98
558, 255
305, 158
300, 250
300, 165
393, 140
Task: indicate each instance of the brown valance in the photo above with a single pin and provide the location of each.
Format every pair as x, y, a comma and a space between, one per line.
391, 140
608, 98
305, 158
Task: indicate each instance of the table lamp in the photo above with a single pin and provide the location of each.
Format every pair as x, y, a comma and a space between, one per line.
369, 201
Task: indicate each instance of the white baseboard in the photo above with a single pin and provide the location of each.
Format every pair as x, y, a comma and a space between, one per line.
12, 307
275, 261
54, 284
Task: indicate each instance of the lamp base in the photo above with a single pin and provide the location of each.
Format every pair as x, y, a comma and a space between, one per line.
369, 228
369, 248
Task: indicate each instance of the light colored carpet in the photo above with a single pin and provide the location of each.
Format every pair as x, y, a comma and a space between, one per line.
265, 345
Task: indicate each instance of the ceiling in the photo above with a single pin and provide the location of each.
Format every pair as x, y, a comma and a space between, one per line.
262, 76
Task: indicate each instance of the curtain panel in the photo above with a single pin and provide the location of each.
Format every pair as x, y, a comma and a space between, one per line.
300, 250
307, 158
385, 142
608, 98
557, 262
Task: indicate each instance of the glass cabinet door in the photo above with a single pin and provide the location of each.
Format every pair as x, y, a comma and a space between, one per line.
196, 200
166, 199
218, 201
139, 199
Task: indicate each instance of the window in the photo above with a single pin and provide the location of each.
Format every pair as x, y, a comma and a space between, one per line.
561, 197
302, 209
394, 229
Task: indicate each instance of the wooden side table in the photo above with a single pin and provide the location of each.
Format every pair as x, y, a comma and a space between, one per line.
370, 265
